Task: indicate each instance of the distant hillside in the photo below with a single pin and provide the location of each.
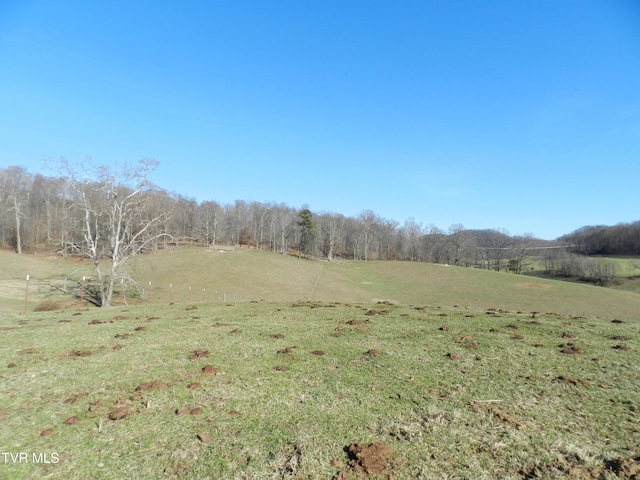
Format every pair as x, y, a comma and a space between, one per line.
192, 274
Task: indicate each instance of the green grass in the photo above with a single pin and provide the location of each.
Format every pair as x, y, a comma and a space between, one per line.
197, 275
457, 392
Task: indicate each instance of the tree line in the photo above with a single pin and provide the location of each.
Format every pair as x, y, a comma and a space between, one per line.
620, 239
109, 214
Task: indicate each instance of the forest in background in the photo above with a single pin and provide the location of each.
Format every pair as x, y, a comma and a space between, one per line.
50, 215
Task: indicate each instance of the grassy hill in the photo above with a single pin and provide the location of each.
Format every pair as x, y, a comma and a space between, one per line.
197, 275
348, 370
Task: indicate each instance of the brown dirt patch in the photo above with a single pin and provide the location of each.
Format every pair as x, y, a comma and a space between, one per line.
620, 338
288, 350
11, 365
120, 317
570, 349
573, 381
200, 353
74, 398
454, 356
72, 420
444, 328
318, 353
122, 336
93, 406
234, 412
46, 432
195, 411
373, 352
210, 370
508, 419
117, 346
281, 368
621, 347
183, 411
276, 335
191, 308
119, 413
617, 321
204, 437
194, 385
27, 351
373, 460
628, 468
154, 385
79, 353
141, 329
237, 330
95, 322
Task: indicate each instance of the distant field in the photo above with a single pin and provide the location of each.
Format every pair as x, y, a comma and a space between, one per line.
318, 390
191, 275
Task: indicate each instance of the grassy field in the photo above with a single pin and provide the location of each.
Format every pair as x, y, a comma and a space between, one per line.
318, 390
277, 367
201, 275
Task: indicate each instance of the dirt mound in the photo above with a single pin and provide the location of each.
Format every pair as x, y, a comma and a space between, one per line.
573, 381
276, 335
570, 349
568, 466
374, 460
200, 353
119, 413
154, 385
72, 420
628, 468
79, 353
373, 352
211, 370
318, 353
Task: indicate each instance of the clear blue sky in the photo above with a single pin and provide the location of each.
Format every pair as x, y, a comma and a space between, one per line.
517, 115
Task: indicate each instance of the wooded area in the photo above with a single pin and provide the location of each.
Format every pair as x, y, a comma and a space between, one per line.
100, 212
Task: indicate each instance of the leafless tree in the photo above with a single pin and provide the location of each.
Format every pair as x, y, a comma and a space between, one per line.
113, 220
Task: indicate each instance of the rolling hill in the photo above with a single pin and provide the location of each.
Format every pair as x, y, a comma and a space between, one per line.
192, 274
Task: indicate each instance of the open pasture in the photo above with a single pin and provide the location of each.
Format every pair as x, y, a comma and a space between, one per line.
315, 389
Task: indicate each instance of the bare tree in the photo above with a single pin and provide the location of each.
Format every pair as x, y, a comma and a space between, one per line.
16, 186
113, 219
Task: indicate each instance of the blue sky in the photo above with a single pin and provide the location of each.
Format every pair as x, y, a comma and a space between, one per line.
515, 115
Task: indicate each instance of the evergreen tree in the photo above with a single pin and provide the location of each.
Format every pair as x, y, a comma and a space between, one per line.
307, 232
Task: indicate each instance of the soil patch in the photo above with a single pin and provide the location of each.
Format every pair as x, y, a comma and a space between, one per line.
119, 413
211, 370
573, 381
154, 385
374, 460
276, 335
570, 349
508, 419
200, 353
72, 420
318, 353
79, 353
373, 352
